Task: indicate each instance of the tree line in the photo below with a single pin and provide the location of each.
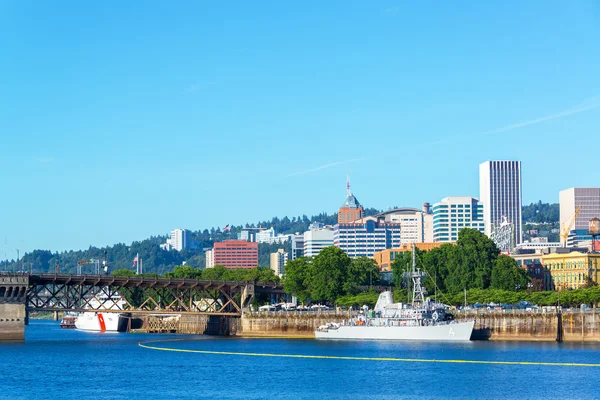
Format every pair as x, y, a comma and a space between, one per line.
218, 273
472, 263
328, 276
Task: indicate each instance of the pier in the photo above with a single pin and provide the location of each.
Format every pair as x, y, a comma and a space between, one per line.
13, 291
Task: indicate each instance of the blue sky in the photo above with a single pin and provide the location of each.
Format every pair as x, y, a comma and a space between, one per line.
121, 120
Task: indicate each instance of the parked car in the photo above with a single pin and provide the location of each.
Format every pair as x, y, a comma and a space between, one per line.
267, 307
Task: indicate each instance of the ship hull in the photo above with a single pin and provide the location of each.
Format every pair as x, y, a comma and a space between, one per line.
456, 332
98, 322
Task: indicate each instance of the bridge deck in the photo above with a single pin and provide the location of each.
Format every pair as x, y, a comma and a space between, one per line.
148, 282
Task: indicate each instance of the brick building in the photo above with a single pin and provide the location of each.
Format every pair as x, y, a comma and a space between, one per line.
235, 254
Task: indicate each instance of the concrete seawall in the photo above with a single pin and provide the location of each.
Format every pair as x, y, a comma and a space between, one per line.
526, 326
285, 324
12, 322
508, 326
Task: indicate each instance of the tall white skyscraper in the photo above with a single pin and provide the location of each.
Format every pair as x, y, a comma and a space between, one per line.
500, 195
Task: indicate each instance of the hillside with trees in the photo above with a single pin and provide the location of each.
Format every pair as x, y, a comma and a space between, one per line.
541, 213
155, 260
541, 220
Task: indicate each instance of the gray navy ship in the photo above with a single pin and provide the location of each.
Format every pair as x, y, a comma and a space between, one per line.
422, 320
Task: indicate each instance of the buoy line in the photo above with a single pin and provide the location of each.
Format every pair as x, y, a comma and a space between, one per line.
350, 358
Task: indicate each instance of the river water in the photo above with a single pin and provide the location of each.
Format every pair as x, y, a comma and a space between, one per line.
69, 364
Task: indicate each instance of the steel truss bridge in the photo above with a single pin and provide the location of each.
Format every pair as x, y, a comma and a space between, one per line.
139, 294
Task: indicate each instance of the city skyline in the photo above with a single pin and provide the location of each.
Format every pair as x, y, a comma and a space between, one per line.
237, 115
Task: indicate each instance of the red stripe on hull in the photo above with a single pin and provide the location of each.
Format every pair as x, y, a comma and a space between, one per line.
102, 324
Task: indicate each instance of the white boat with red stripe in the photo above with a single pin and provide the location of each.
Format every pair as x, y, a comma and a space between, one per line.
101, 321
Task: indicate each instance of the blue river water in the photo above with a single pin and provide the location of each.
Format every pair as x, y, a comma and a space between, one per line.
69, 364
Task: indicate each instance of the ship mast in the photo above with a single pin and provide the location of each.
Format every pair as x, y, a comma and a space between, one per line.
418, 292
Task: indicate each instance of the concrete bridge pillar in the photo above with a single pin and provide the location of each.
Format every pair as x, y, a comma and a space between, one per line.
12, 322
13, 295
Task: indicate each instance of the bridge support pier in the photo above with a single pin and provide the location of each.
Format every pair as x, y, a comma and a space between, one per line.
55, 316
13, 292
12, 322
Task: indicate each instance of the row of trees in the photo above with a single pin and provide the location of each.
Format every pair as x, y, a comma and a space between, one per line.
569, 298
329, 275
473, 263
219, 272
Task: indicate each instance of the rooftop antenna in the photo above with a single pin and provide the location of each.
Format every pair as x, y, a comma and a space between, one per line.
348, 191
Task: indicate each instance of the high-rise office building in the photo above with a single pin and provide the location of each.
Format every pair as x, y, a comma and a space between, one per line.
278, 261
500, 195
365, 237
453, 214
179, 239
210, 259
351, 210
235, 254
297, 245
316, 240
570, 200
416, 226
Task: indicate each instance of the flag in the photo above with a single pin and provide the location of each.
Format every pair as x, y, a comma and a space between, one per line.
135, 261
226, 228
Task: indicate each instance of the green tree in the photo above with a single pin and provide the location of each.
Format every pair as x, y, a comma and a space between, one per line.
297, 276
329, 274
436, 264
471, 262
362, 271
507, 275
185, 271
124, 272
214, 274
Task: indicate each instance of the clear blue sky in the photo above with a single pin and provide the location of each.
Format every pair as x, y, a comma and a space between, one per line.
121, 120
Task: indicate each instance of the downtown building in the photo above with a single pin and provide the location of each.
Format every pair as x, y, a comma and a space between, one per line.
351, 210
360, 236
452, 214
179, 239
366, 236
416, 226
278, 261
297, 240
316, 239
500, 196
270, 236
249, 234
572, 199
233, 254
